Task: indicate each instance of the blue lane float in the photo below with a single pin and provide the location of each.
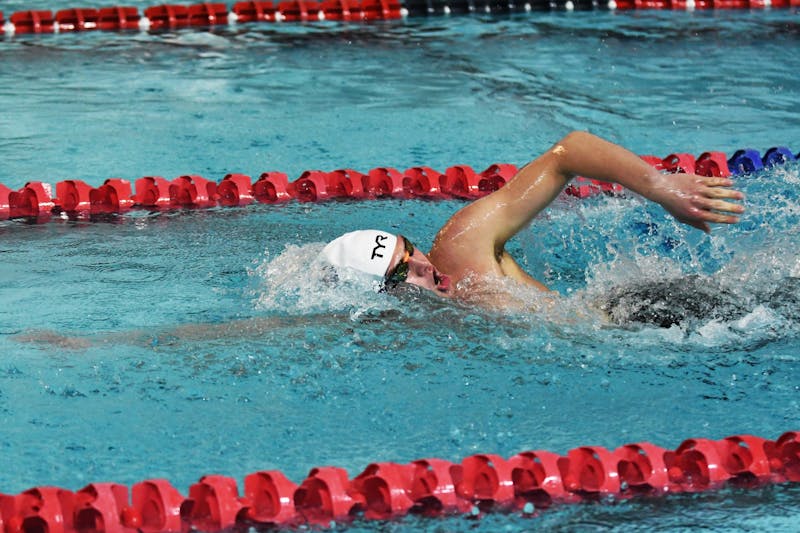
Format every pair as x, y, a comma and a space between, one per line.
745, 161
776, 156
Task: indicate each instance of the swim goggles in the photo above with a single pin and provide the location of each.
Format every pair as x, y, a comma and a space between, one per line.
400, 273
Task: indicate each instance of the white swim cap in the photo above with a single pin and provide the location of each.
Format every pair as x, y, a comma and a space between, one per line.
366, 250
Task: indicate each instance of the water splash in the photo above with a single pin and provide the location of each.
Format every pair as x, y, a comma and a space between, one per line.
298, 281
626, 272
743, 278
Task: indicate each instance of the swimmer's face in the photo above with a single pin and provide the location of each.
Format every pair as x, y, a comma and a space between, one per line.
410, 265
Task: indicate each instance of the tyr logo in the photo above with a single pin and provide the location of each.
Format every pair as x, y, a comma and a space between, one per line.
378, 246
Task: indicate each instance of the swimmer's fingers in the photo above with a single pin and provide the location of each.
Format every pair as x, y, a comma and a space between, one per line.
716, 182
721, 188
707, 210
700, 200
732, 194
722, 206
721, 218
716, 208
700, 219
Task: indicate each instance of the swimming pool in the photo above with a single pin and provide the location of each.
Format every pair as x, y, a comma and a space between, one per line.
348, 377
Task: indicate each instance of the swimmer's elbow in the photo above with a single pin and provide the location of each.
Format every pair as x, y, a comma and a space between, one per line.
573, 140
575, 135
567, 149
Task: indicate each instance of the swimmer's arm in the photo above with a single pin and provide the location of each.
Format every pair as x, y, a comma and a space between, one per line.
691, 199
246, 328
489, 222
473, 240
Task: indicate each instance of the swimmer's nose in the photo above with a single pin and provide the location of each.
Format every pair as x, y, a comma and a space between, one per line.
422, 270
426, 270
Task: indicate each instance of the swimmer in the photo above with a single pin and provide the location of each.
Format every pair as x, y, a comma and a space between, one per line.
468, 254
468, 260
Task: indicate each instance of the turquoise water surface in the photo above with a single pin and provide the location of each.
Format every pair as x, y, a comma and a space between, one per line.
178, 344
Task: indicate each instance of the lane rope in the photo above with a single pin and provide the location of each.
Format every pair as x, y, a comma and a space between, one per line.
209, 14
73, 198
527, 484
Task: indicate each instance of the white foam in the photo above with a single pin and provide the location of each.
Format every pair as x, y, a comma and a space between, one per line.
713, 333
297, 280
623, 269
759, 319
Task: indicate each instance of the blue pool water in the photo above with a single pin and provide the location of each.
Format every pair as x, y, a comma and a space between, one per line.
185, 343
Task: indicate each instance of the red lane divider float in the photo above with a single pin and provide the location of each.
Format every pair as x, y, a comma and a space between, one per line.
173, 16
525, 483
118, 18
76, 198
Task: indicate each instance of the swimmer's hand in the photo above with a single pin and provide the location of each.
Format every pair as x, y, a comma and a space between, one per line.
698, 200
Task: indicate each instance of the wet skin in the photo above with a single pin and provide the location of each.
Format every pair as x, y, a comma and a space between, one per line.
471, 245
